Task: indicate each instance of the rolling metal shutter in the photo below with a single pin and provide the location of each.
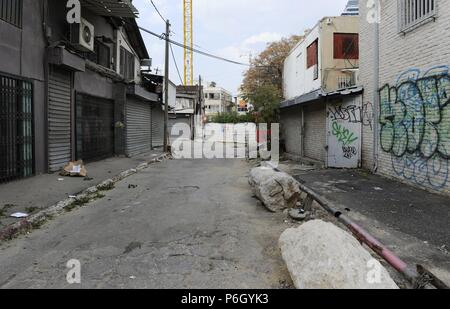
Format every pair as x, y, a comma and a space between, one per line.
291, 125
138, 127
59, 119
157, 127
175, 119
315, 132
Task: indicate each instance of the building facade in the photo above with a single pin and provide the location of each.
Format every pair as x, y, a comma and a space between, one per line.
188, 110
405, 74
321, 114
70, 91
352, 8
217, 100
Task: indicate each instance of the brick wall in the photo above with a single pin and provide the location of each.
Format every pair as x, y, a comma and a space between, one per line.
414, 92
366, 75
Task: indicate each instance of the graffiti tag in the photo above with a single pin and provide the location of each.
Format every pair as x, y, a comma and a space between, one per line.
353, 114
349, 151
343, 135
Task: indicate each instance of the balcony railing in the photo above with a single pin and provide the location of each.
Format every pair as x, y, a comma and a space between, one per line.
346, 81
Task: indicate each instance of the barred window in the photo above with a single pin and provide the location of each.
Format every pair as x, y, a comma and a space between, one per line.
11, 12
413, 13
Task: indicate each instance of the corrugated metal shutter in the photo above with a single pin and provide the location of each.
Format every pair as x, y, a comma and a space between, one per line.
315, 132
179, 119
157, 127
59, 119
291, 126
138, 126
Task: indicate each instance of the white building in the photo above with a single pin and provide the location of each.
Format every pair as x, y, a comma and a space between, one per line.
217, 100
352, 8
321, 114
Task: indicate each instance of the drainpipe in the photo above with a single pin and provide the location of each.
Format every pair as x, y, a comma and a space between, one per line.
376, 85
47, 39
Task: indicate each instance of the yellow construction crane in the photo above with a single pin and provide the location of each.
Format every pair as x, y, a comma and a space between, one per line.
188, 41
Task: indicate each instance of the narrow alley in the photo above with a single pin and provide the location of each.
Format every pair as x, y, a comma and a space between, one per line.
178, 224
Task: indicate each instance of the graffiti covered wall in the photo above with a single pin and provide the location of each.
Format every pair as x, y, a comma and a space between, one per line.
415, 127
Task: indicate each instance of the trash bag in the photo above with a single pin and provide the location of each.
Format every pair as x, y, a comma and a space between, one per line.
74, 169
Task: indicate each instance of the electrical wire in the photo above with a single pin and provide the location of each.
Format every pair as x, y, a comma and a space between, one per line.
163, 37
157, 11
176, 65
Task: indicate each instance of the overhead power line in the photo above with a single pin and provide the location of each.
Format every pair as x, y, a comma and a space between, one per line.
157, 11
176, 65
163, 37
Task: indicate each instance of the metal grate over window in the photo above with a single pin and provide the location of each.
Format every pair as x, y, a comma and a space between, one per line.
16, 129
415, 12
11, 12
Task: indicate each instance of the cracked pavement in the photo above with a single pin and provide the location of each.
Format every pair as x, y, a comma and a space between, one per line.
177, 224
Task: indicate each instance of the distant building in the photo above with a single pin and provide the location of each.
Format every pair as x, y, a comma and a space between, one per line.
351, 9
188, 105
242, 106
217, 100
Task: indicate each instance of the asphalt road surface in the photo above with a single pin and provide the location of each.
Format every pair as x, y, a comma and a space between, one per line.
177, 224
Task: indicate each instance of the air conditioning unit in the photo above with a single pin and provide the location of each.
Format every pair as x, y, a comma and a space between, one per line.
82, 35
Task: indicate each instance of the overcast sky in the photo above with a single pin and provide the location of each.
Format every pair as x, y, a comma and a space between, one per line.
230, 28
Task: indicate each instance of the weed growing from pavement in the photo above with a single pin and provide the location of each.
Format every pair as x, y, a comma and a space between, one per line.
4, 209
106, 187
31, 209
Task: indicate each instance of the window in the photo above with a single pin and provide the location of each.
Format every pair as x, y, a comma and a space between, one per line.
127, 66
103, 54
414, 12
11, 12
312, 54
346, 46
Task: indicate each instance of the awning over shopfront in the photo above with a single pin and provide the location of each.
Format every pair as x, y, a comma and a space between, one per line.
319, 94
116, 8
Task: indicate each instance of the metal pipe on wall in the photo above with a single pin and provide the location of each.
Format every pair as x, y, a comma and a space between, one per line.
376, 84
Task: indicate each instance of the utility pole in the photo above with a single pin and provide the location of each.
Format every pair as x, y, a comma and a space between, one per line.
166, 91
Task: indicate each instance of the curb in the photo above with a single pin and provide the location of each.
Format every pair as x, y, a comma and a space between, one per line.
34, 221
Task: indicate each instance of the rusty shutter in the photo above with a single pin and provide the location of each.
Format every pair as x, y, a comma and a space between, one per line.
346, 46
312, 54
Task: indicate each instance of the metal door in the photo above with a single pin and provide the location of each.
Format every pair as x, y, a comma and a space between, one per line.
95, 128
344, 133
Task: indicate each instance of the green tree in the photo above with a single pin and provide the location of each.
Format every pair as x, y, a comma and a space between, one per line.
267, 67
263, 81
266, 100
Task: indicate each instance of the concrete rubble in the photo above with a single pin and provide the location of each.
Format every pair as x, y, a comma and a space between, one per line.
276, 190
319, 255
